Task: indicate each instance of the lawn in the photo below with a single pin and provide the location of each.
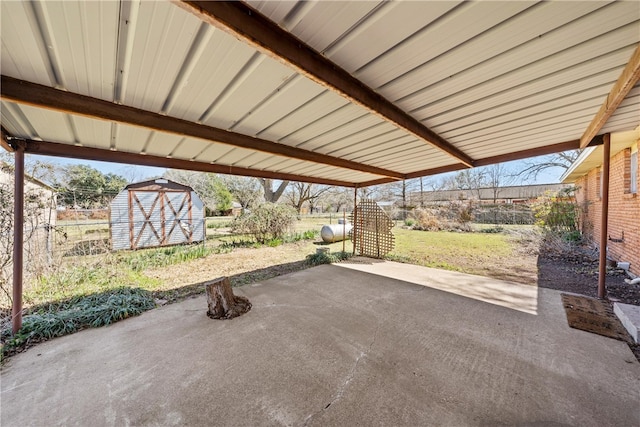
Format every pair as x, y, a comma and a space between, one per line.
449, 250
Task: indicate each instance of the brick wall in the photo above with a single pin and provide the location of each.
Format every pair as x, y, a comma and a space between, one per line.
624, 210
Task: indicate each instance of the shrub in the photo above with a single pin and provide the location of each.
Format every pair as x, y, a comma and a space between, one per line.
266, 222
557, 213
327, 258
427, 220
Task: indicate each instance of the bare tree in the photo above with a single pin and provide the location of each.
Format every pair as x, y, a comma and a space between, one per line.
245, 190
338, 199
300, 193
270, 195
537, 165
38, 205
471, 179
498, 176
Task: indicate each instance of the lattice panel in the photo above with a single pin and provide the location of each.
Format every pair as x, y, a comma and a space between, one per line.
371, 234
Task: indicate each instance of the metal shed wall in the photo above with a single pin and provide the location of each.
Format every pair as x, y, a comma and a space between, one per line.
157, 213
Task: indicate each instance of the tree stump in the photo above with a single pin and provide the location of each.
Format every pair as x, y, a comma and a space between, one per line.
223, 304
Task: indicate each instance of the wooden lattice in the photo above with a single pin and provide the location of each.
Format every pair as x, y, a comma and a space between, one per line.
371, 233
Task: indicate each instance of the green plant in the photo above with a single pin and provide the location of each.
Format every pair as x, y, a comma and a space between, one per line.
74, 314
558, 213
85, 279
274, 242
409, 222
305, 235
158, 257
573, 236
266, 222
492, 230
218, 224
327, 258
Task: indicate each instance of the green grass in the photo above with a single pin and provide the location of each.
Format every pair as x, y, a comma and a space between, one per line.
159, 257
449, 250
73, 281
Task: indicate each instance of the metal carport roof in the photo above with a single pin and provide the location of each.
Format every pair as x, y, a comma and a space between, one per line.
344, 93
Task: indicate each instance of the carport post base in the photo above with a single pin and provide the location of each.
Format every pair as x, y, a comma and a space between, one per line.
222, 303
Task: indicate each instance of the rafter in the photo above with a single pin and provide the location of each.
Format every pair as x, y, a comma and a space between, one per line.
24, 92
47, 148
251, 26
531, 152
627, 80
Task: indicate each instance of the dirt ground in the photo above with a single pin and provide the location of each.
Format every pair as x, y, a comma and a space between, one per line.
577, 272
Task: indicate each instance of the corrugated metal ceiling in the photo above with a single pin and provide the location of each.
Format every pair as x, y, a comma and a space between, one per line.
492, 78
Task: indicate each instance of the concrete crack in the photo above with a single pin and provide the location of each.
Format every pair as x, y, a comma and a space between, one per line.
342, 388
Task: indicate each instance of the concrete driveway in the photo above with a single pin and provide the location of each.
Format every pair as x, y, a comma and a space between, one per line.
360, 343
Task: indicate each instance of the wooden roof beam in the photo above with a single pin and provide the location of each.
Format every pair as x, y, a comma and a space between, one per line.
47, 148
246, 23
24, 92
4, 140
627, 80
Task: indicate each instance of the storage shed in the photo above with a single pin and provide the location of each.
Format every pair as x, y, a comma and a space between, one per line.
156, 213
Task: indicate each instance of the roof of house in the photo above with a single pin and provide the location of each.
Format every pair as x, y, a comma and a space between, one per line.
343, 93
8, 169
592, 157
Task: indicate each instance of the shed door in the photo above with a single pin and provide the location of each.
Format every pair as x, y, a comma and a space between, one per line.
159, 218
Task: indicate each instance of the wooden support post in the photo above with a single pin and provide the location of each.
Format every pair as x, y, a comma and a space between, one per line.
602, 268
344, 229
18, 239
222, 303
355, 219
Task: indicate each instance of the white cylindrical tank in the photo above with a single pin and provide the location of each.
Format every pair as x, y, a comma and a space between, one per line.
335, 232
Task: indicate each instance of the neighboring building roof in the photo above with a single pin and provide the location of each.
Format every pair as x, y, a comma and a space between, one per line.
516, 192
592, 157
8, 169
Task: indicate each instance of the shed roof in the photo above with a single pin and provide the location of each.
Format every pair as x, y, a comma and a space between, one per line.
158, 184
344, 93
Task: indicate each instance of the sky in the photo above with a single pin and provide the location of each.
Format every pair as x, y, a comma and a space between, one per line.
140, 173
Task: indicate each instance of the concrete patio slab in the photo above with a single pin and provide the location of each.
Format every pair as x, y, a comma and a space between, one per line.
335, 345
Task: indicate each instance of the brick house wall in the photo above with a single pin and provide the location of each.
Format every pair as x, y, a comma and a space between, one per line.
624, 210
